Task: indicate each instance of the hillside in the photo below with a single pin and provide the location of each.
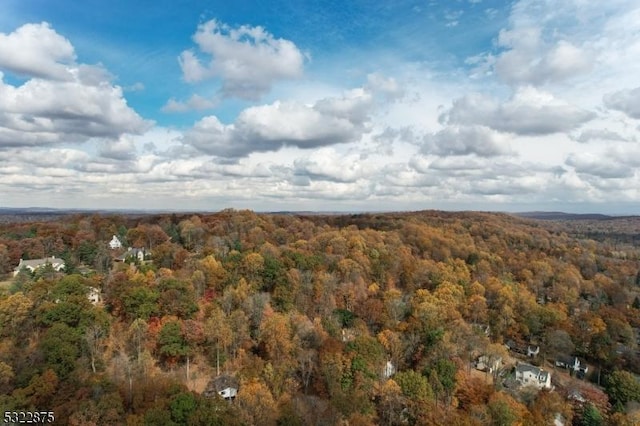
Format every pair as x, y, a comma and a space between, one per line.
320, 319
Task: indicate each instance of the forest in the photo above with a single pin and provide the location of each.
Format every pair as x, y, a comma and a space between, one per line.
241, 318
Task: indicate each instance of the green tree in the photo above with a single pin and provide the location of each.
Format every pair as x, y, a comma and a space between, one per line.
182, 406
61, 347
414, 385
213, 412
140, 302
75, 312
622, 387
368, 356
442, 377
591, 416
172, 346
158, 416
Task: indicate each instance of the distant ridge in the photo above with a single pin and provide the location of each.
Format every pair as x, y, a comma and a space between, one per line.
565, 216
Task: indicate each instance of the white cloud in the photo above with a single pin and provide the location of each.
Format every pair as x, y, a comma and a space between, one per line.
528, 112
123, 148
61, 101
41, 112
546, 42
270, 127
386, 86
247, 59
465, 140
599, 165
36, 50
589, 135
627, 101
327, 164
405, 176
536, 139
531, 61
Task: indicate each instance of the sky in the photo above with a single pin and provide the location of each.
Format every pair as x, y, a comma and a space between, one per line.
321, 105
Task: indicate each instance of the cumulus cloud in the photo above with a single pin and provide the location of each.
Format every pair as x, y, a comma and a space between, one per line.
56, 157
406, 176
327, 164
270, 127
465, 140
61, 101
41, 112
247, 59
600, 166
529, 60
457, 165
589, 135
36, 50
627, 101
528, 112
546, 43
121, 149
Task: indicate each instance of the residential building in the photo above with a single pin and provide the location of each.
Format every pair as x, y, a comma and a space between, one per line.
139, 254
224, 385
115, 243
533, 351
31, 265
571, 363
529, 375
388, 370
94, 295
488, 364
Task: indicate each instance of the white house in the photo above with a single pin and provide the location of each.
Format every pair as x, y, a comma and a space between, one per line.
226, 386
388, 370
488, 364
115, 243
33, 264
93, 295
133, 253
529, 375
569, 362
533, 351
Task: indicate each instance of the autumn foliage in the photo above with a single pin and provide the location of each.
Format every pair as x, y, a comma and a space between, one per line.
322, 319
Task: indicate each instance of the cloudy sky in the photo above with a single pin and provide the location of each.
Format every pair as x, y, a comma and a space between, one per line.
321, 105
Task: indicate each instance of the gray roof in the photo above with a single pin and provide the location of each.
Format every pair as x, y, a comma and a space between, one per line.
36, 263
220, 383
540, 373
570, 360
527, 367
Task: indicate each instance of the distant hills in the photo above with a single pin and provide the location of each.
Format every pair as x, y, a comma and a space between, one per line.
565, 216
46, 213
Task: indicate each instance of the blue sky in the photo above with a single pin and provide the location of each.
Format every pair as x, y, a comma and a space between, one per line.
321, 105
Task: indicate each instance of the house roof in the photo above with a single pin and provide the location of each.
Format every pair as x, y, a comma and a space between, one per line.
225, 381
566, 359
135, 252
540, 373
220, 383
35, 263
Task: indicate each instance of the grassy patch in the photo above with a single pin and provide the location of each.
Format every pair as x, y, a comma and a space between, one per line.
5, 284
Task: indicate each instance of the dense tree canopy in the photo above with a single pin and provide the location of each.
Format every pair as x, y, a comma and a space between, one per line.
321, 319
